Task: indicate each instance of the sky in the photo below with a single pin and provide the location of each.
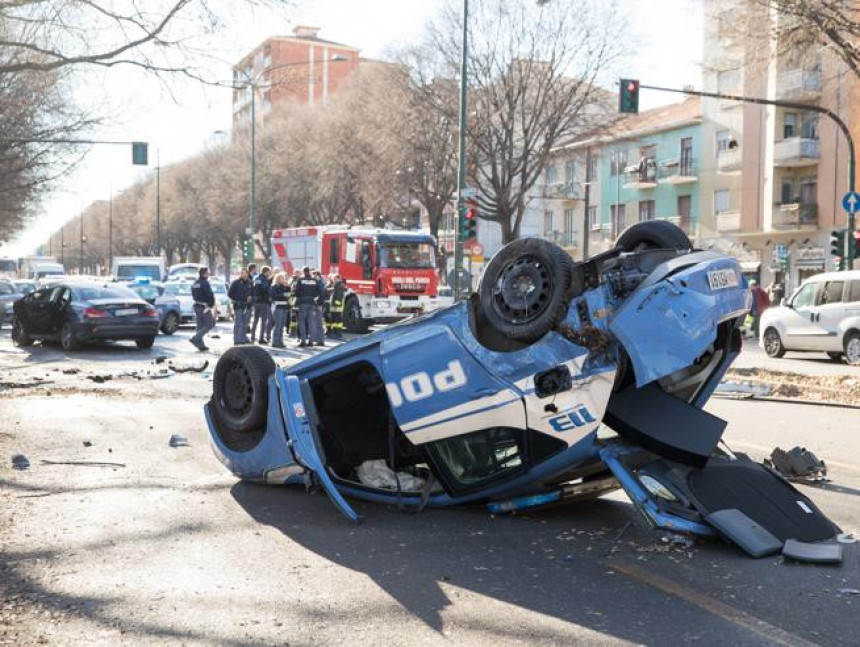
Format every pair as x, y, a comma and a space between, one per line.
180, 118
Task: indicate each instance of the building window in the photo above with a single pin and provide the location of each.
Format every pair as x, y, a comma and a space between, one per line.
547, 223
646, 210
809, 190
570, 172
551, 174
809, 125
619, 217
592, 168
593, 218
568, 227
722, 200
686, 160
618, 162
786, 192
789, 125
722, 140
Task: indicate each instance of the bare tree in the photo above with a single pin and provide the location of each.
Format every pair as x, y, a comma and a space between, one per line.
533, 74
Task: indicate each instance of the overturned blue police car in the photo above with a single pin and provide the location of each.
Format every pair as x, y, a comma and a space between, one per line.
557, 381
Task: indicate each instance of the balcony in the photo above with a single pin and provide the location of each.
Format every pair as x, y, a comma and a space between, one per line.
562, 191
674, 172
796, 152
728, 221
642, 175
795, 215
799, 85
729, 161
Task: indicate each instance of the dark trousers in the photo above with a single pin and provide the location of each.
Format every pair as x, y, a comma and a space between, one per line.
262, 314
205, 322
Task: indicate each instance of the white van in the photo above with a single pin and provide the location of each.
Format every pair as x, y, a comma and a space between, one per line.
822, 315
129, 268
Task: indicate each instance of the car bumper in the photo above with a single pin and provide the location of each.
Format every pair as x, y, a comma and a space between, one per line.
123, 330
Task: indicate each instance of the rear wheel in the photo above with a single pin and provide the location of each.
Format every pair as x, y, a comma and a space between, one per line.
68, 339
653, 234
524, 290
836, 357
352, 319
772, 343
144, 342
240, 396
852, 348
19, 334
170, 324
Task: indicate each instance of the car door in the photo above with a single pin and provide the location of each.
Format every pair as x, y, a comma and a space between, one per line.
34, 311
829, 312
801, 331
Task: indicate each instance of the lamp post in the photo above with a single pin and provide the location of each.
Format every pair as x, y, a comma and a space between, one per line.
461, 163
83, 240
251, 82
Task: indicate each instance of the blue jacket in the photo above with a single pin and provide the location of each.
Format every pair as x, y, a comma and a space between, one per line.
241, 292
308, 291
262, 289
201, 292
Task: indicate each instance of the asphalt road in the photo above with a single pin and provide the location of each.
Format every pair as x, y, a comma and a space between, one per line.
794, 362
168, 548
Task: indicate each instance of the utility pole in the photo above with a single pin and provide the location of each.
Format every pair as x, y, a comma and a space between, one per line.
586, 223
110, 232
81, 266
461, 162
158, 201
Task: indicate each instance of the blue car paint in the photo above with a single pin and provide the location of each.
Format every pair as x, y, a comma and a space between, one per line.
428, 343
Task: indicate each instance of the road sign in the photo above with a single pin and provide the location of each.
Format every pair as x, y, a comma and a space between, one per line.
781, 251
477, 258
469, 192
851, 202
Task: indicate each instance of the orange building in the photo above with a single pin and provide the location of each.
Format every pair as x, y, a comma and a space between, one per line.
301, 69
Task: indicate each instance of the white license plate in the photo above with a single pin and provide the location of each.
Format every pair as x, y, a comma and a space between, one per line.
124, 312
723, 279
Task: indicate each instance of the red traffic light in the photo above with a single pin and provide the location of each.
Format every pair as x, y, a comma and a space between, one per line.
631, 86
471, 213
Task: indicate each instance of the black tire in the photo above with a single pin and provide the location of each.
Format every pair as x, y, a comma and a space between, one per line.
240, 396
524, 292
170, 324
772, 343
852, 348
835, 357
653, 234
352, 319
144, 343
68, 339
19, 334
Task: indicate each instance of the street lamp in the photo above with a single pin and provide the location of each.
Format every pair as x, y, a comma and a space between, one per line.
252, 83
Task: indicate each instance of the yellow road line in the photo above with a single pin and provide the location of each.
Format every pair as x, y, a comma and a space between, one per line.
769, 632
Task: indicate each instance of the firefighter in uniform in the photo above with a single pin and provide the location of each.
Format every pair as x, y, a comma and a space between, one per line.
308, 294
204, 303
335, 307
293, 315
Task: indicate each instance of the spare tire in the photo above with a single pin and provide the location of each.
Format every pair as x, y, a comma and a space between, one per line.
653, 234
240, 396
524, 290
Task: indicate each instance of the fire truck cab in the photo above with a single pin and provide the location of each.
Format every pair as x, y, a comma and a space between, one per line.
389, 274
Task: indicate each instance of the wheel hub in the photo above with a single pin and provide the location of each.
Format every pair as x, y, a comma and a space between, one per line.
852, 350
238, 390
523, 290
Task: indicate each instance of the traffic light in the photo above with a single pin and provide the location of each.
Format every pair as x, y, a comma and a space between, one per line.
139, 153
837, 246
468, 222
856, 245
628, 96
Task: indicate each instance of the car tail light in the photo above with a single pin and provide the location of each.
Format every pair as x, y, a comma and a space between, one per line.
150, 312
94, 313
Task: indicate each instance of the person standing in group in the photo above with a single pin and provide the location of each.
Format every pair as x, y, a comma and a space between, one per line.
760, 303
241, 293
262, 305
204, 305
252, 271
293, 319
280, 294
308, 294
335, 307
318, 327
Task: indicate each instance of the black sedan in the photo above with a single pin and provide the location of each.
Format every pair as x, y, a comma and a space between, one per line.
76, 313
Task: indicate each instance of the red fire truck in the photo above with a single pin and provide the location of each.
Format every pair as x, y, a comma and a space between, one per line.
390, 274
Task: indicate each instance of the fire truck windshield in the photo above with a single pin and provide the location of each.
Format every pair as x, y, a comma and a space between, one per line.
407, 255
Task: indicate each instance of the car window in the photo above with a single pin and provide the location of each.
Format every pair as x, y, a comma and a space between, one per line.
832, 292
805, 296
87, 293
6, 288
41, 296
180, 289
219, 288
146, 291
56, 293
854, 291
482, 456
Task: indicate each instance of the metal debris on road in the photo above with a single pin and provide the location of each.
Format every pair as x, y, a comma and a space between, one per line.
178, 441
93, 463
88, 443
193, 367
20, 462
797, 464
848, 592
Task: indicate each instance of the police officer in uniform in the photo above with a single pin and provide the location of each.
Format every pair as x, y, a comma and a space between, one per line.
262, 305
280, 294
308, 294
204, 304
335, 308
241, 293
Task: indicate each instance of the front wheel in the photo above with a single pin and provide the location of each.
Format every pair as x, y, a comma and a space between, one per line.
772, 343
144, 343
68, 339
352, 319
19, 334
852, 348
170, 324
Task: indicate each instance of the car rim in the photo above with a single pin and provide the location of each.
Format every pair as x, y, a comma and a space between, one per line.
238, 390
523, 290
172, 324
771, 342
852, 350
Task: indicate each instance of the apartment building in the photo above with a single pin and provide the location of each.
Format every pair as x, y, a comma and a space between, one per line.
301, 69
780, 172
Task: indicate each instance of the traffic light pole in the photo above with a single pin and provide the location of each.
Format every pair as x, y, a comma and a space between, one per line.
852, 164
461, 162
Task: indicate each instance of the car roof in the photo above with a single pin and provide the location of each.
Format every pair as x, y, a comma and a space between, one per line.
848, 275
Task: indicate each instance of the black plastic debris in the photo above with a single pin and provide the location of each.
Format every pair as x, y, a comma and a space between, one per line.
88, 443
20, 462
813, 552
178, 441
797, 464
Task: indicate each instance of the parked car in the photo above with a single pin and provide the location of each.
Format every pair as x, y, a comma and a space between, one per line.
169, 309
184, 271
181, 291
9, 294
76, 313
24, 286
557, 381
225, 306
822, 315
